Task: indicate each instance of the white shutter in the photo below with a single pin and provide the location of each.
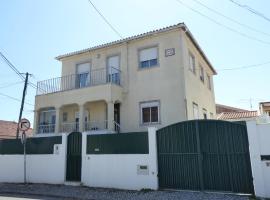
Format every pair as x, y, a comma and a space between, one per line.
113, 64
148, 54
83, 68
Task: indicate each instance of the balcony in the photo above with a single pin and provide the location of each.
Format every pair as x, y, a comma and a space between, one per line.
76, 81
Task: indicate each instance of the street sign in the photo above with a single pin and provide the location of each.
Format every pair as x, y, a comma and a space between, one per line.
24, 124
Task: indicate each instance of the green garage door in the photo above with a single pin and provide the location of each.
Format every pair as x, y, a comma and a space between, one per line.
205, 155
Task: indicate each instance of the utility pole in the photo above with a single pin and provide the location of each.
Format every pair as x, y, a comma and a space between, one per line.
22, 103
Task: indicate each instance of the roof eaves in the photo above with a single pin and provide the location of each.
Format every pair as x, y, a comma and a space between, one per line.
179, 25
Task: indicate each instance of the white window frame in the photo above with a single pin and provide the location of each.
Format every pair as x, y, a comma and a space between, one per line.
195, 105
192, 62
147, 104
149, 64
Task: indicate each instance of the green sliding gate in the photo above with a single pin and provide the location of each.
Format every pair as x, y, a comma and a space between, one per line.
74, 157
205, 155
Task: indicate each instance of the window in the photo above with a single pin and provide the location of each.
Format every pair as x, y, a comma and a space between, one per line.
201, 73
204, 113
65, 116
192, 65
150, 112
211, 115
195, 111
209, 82
114, 69
83, 75
148, 57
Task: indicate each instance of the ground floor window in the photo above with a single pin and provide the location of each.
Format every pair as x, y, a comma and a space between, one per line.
195, 111
204, 113
150, 112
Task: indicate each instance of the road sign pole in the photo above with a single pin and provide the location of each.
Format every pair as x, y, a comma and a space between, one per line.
24, 156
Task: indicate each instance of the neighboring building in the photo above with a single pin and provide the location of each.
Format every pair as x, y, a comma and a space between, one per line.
152, 79
8, 130
238, 116
228, 109
264, 108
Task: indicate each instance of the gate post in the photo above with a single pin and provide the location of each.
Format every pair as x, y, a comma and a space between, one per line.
200, 157
254, 151
152, 142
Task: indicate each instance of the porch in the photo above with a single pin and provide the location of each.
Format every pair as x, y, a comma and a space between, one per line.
89, 117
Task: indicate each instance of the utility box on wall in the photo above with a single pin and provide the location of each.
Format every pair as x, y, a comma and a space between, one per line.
142, 170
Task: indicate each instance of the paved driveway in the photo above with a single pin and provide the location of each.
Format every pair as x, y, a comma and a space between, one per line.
43, 191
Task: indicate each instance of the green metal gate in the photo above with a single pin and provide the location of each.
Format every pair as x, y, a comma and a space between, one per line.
74, 157
208, 155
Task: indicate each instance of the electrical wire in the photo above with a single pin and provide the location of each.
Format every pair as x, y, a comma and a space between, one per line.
104, 18
253, 11
14, 98
245, 67
11, 84
16, 70
231, 19
222, 25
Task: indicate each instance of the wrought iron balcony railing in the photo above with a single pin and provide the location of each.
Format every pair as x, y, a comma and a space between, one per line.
76, 81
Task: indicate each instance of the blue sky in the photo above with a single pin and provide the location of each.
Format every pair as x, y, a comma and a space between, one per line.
34, 32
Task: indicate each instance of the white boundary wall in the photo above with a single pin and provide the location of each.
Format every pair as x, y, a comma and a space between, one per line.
259, 144
120, 170
49, 168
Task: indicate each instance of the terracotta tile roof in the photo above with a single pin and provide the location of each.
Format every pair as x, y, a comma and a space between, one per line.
237, 115
8, 129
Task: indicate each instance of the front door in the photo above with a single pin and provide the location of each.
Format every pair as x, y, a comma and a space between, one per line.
74, 157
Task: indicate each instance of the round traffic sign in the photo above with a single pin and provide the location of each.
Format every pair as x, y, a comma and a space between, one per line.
24, 124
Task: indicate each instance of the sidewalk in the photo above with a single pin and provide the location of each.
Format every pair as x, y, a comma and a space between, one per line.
80, 192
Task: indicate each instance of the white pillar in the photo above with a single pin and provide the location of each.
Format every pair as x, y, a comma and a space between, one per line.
81, 117
255, 158
153, 168
110, 115
36, 119
57, 120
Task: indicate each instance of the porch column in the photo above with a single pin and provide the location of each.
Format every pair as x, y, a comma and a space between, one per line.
81, 120
57, 120
110, 115
36, 120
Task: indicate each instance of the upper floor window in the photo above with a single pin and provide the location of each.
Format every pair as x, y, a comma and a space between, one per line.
201, 73
148, 57
83, 75
195, 111
150, 112
192, 65
209, 82
114, 69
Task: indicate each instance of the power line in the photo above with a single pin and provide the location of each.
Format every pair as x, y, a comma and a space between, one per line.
245, 67
253, 11
231, 19
224, 26
12, 66
104, 18
14, 98
11, 84
16, 70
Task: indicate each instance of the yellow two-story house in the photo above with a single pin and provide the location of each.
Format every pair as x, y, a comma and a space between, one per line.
153, 79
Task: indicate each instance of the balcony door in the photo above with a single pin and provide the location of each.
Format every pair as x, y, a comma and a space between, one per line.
113, 68
83, 78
